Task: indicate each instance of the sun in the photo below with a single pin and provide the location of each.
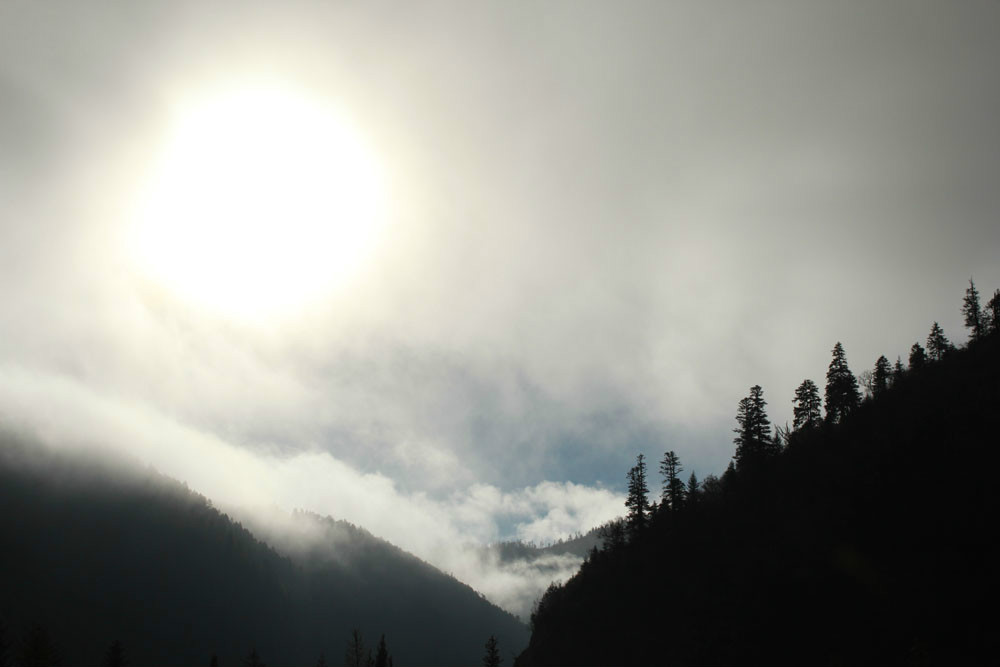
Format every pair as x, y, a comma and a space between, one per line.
259, 201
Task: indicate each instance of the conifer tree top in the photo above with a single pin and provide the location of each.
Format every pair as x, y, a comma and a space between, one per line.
842, 393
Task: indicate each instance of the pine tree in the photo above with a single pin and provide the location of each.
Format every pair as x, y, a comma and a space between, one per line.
115, 656
973, 313
214, 661
880, 376
322, 660
938, 344
492, 657
355, 656
673, 487
382, 657
918, 358
754, 433
806, 413
637, 501
842, 395
991, 315
693, 489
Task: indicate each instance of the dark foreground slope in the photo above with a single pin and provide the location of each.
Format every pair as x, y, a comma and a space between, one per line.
94, 555
871, 542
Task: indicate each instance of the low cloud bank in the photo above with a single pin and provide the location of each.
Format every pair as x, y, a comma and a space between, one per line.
447, 530
514, 585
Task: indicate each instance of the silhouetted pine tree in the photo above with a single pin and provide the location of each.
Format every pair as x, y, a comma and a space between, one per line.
880, 376
322, 660
492, 657
673, 487
693, 489
115, 657
806, 413
355, 654
842, 395
753, 437
992, 314
973, 312
637, 501
253, 660
382, 657
938, 344
917, 357
214, 661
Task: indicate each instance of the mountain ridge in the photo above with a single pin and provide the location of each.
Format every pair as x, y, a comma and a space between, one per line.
97, 550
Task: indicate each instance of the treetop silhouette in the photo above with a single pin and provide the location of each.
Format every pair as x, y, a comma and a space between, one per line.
881, 376
492, 656
992, 314
842, 393
753, 437
673, 488
974, 320
637, 500
806, 413
938, 344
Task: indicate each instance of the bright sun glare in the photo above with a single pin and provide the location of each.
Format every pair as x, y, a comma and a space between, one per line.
260, 200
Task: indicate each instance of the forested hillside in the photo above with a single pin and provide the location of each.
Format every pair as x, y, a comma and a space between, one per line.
95, 552
865, 537
576, 545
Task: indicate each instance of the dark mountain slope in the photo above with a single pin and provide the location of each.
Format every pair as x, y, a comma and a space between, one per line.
95, 553
871, 542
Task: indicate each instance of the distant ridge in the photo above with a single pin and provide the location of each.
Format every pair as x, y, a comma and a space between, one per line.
576, 545
96, 551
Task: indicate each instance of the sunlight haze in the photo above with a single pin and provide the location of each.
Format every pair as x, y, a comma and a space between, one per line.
259, 200
444, 269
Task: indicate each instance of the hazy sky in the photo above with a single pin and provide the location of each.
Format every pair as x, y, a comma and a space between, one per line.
604, 223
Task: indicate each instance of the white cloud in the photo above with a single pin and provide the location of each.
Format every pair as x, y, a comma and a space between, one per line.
602, 234
65, 413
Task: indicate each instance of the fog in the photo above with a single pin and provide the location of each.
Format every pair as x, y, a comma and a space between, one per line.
603, 224
447, 530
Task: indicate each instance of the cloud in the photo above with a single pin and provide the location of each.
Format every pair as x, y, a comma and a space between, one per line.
514, 585
605, 226
446, 530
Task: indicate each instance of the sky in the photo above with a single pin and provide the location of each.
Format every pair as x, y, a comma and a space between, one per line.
598, 224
